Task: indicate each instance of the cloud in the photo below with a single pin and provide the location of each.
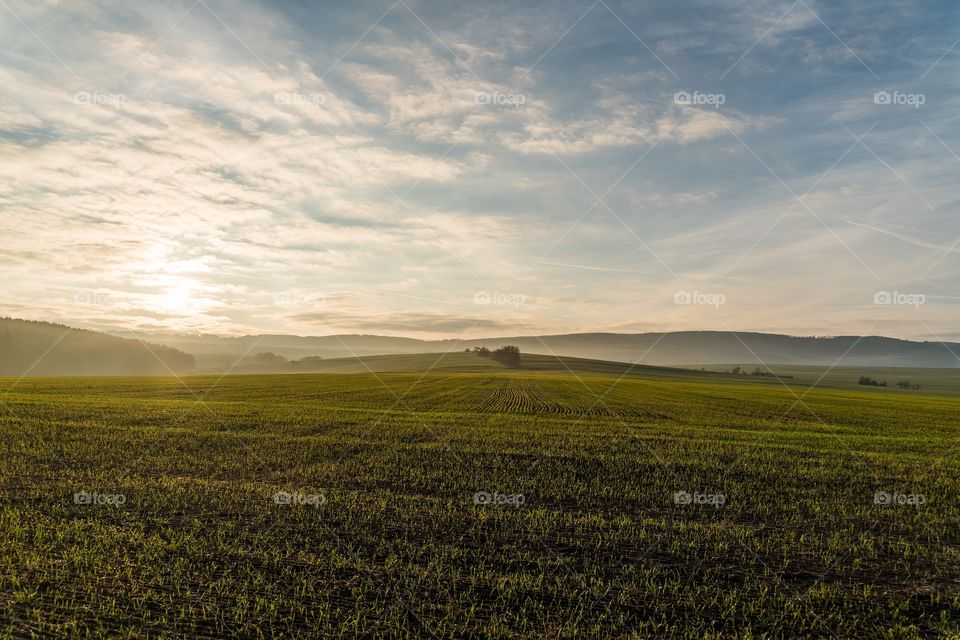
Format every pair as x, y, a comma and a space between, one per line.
407, 322
255, 155
909, 239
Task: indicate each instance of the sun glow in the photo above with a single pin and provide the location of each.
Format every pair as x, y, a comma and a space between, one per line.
171, 287
176, 299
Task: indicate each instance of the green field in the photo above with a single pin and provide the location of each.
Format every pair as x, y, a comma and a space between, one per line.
388, 540
930, 381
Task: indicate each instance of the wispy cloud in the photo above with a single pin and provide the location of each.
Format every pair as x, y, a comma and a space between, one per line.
238, 167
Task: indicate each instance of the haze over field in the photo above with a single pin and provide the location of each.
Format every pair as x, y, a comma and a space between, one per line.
39, 348
677, 348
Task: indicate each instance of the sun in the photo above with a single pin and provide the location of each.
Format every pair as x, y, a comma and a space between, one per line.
176, 299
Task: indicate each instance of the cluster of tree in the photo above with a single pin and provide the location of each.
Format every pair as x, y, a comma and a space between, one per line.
757, 371
870, 382
270, 359
508, 355
906, 384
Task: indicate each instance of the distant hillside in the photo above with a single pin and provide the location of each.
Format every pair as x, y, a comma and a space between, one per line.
678, 348
46, 349
222, 352
928, 380
725, 347
461, 362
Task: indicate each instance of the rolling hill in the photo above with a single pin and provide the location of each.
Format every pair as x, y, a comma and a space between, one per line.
684, 348
46, 349
43, 348
937, 381
461, 362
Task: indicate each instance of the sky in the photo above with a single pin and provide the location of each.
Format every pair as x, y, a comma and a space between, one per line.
453, 169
